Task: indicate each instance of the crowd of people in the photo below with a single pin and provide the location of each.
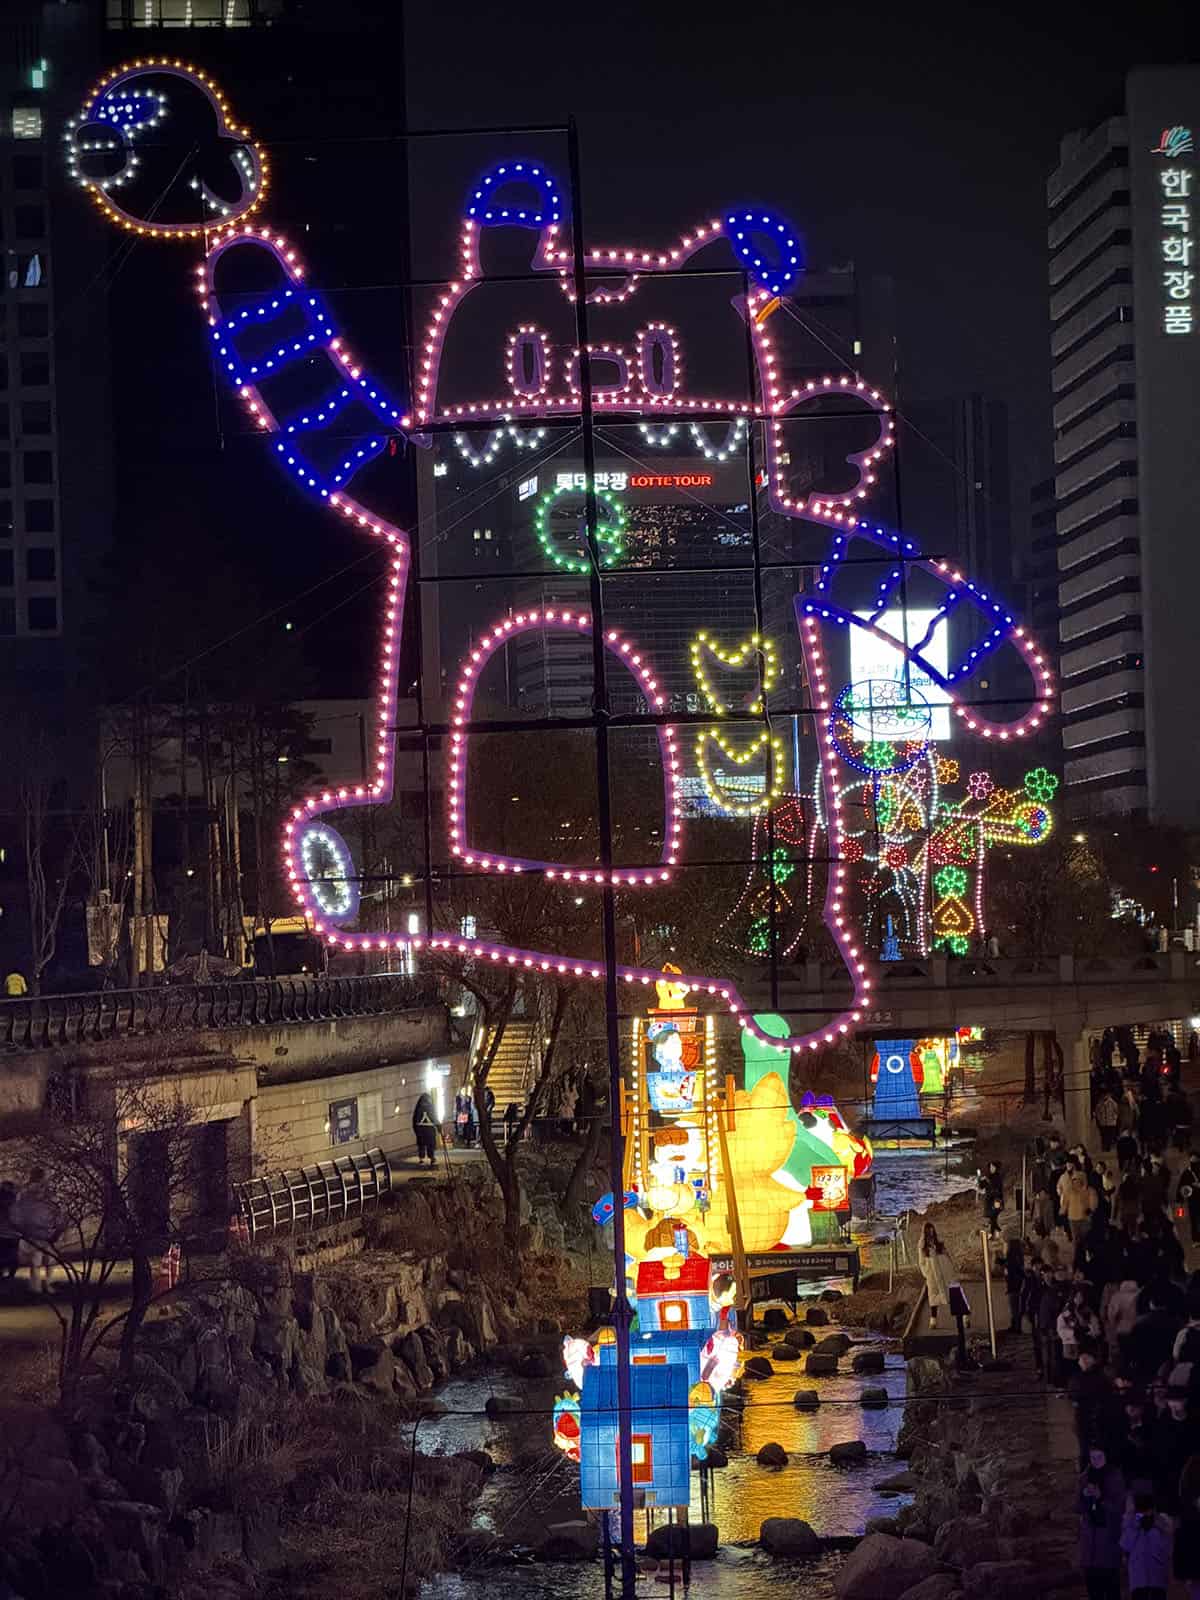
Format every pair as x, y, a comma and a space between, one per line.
1103, 1289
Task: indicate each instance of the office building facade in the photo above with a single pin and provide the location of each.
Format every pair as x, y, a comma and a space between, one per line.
1125, 315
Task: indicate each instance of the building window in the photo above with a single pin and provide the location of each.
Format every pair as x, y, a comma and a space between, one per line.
33, 321
35, 369
6, 519
675, 1314
641, 1457
28, 172
6, 569
40, 565
27, 122
43, 614
30, 221
5, 469
39, 516
35, 416
37, 466
8, 618
4, 421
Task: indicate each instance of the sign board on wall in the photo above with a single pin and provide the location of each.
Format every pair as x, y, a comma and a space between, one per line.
343, 1120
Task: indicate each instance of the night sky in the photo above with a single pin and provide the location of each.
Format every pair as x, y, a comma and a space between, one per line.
915, 140
916, 145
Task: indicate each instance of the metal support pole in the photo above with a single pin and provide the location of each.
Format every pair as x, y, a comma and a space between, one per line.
987, 1286
621, 1311
1024, 1183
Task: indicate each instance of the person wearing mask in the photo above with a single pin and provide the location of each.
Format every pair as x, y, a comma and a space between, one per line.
1093, 1398
1187, 1194
1077, 1325
425, 1128
1146, 1539
1101, 1508
1105, 1117
937, 1271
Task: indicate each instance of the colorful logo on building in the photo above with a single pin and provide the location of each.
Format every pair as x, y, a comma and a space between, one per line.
1173, 142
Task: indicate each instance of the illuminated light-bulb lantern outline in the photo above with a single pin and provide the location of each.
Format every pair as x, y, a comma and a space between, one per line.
128, 84
329, 873
610, 534
747, 802
623, 270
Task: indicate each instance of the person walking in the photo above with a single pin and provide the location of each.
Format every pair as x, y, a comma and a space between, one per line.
1101, 1507
936, 1269
1187, 1194
1014, 1280
512, 1115
1031, 1299
425, 1128
991, 1190
1187, 1532
1146, 1540
35, 1217
1105, 1117
472, 1123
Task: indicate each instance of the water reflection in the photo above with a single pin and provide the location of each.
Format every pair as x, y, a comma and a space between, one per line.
735, 1575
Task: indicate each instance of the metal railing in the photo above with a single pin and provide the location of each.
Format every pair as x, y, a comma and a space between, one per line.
45, 1021
305, 1197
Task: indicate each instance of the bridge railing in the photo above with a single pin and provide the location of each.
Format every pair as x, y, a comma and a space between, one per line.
44, 1022
305, 1197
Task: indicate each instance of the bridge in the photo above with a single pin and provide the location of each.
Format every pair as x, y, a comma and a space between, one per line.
1076, 997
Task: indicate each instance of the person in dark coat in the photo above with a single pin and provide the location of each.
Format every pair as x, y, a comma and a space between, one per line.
1187, 1194
1101, 1505
425, 1128
1014, 1280
1093, 1398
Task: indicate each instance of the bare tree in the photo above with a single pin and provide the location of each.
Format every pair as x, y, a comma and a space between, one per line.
49, 845
117, 1155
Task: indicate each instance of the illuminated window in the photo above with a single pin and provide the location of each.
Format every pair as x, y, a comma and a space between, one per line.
27, 122
675, 1313
641, 1458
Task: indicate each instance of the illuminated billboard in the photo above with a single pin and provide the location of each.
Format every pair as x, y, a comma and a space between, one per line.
873, 659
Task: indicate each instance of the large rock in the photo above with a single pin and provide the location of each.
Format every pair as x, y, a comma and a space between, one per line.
940, 1587
434, 1345
967, 1541
801, 1338
501, 1405
816, 1317
848, 1451
925, 1376
714, 1456
884, 1568
873, 1399
411, 1350
785, 1352
758, 1367
898, 1483
833, 1344
533, 1364
806, 1399
820, 1366
867, 1361
568, 1541
695, 1541
881, 1525
772, 1455
1005, 1580
774, 1318
788, 1537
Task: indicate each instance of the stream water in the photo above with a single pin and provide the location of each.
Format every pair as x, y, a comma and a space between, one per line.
533, 1486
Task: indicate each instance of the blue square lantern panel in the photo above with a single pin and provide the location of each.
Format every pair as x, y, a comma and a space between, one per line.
660, 1436
895, 1072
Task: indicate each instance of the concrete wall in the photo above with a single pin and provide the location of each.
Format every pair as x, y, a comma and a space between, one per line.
295, 1122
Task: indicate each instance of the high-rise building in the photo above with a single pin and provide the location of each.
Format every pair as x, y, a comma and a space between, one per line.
1125, 314
983, 491
55, 445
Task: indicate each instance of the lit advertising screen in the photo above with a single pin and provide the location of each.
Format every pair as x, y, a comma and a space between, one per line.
874, 659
